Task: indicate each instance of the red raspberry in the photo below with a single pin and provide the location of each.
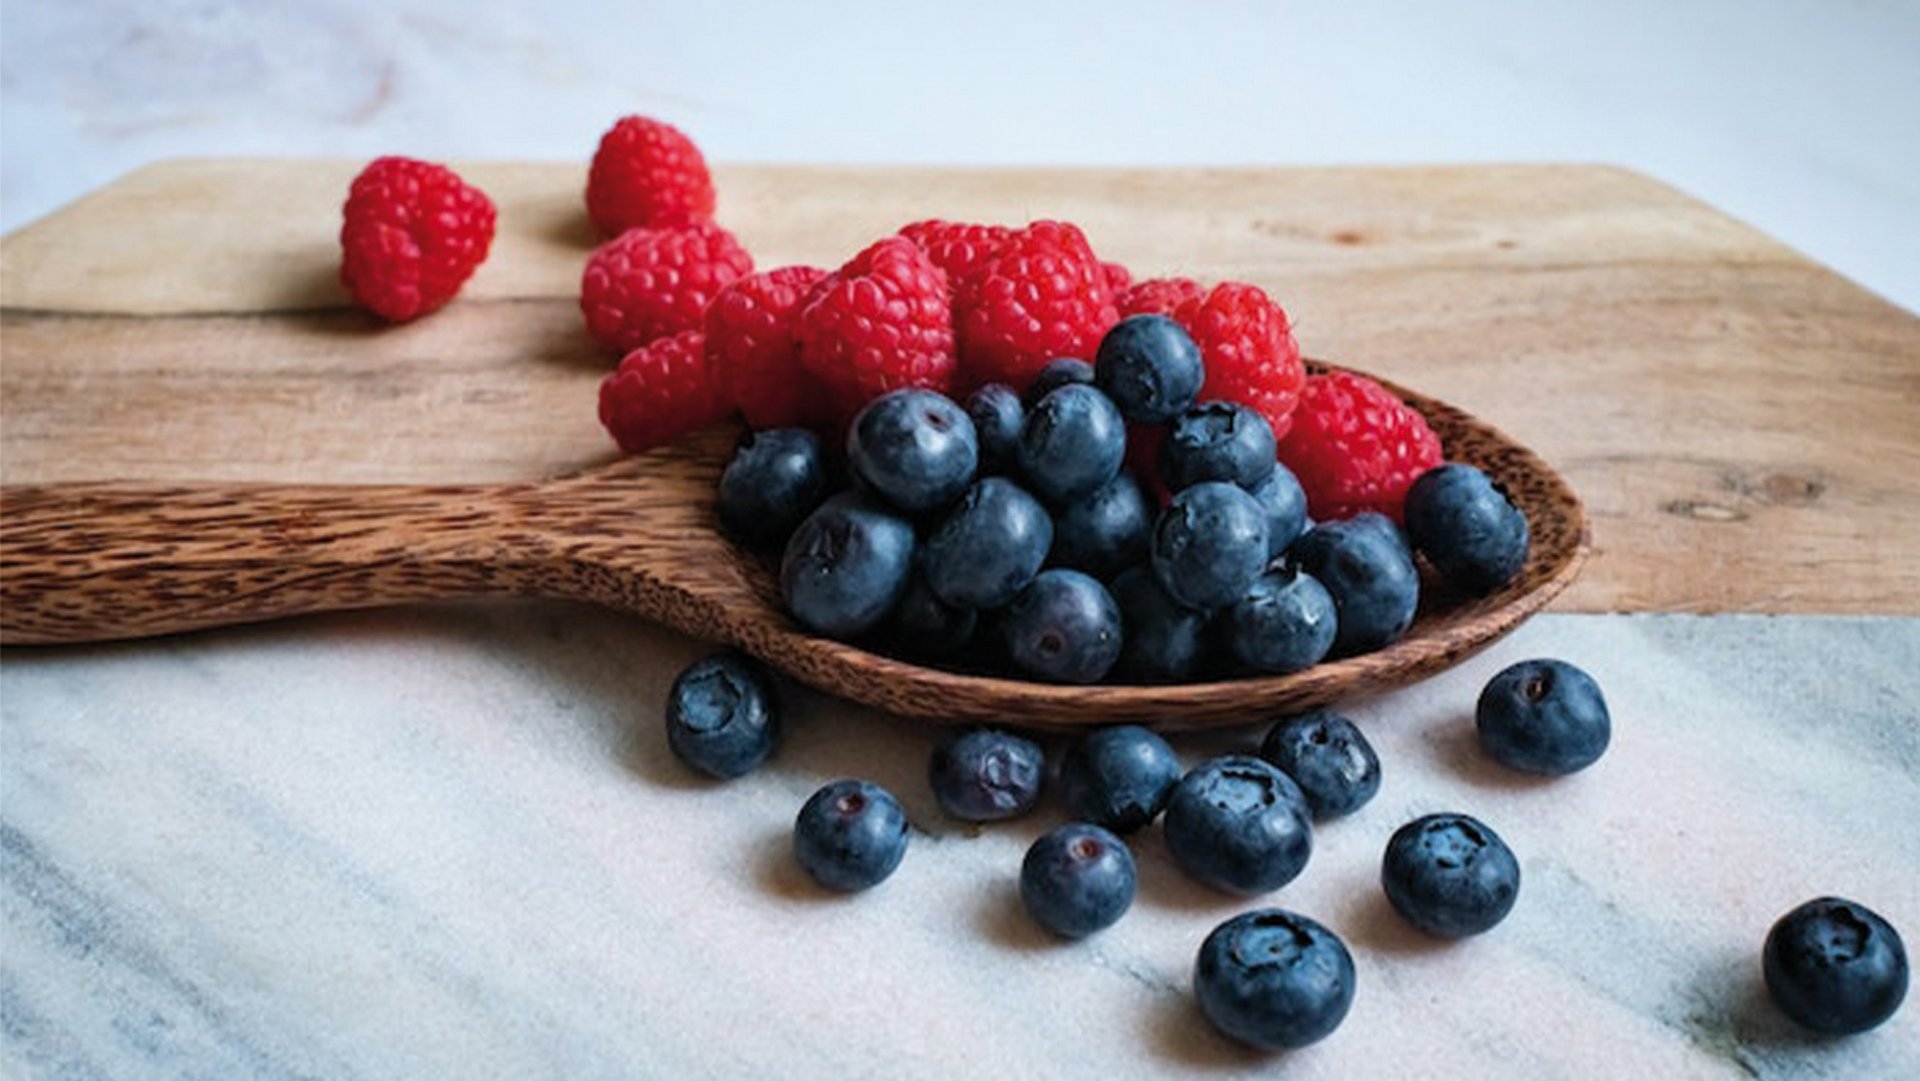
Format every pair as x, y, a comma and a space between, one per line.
957, 247
1248, 348
649, 283
660, 392
1119, 279
1042, 295
647, 174
414, 233
1157, 296
754, 355
878, 324
1356, 447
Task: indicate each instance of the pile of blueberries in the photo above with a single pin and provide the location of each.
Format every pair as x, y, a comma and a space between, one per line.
1006, 533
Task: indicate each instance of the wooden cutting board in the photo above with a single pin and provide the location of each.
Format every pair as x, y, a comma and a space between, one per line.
1743, 423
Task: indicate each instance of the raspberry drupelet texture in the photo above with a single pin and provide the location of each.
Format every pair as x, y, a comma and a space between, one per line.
1248, 348
413, 233
879, 323
649, 283
660, 392
1356, 447
957, 247
754, 354
647, 174
1157, 296
1119, 279
1042, 295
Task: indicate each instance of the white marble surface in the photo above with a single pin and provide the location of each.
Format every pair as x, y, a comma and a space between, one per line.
450, 842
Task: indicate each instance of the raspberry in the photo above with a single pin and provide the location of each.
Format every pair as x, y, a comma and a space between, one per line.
957, 247
1119, 279
661, 392
1157, 296
649, 283
647, 174
878, 324
1356, 447
751, 346
1042, 295
1248, 348
414, 233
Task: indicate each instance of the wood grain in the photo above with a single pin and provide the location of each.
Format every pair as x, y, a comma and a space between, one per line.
1741, 422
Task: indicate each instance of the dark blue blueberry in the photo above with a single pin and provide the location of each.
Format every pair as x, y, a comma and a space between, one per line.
774, 480
916, 448
997, 416
1059, 372
927, 628
1543, 716
1240, 825
1450, 875
1119, 777
1209, 545
1064, 628
723, 716
1285, 623
846, 566
1077, 879
986, 774
989, 546
1164, 640
1222, 441
850, 835
1285, 504
1072, 443
1103, 532
1835, 966
1466, 527
1274, 979
1150, 367
1365, 563
1328, 758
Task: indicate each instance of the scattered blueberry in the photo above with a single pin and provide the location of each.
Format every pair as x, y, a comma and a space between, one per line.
925, 627
1835, 966
916, 448
723, 717
1162, 640
1077, 879
1209, 545
1543, 716
1103, 532
1366, 565
1239, 825
850, 835
1285, 504
1059, 372
1466, 527
1222, 441
997, 416
846, 566
1150, 367
989, 546
1284, 623
773, 481
1063, 628
1119, 777
1450, 875
1072, 443
985, 774
1274, 979
1328, 758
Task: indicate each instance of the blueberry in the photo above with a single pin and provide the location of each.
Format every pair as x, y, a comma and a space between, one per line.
1103, 532
1543, 716
1328, 758
723, 717
1119, 777
925, 627
1365, 564
986, 774
1077, 879
1072, 443
1835, 966
997, 416
1064, 628
1150, 367
1162, 640
773, 481
916, 448
1239, 825
850, 835
846, 566
1450, 875
1285, 504
1285, 623
1466, 527
1059, 372
989, 546
1222, 441
1274, 979
1209, 545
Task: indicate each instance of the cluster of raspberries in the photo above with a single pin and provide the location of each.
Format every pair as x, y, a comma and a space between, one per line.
948, 306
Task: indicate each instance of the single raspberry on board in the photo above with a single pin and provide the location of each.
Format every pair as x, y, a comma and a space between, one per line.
957, 247
647, 173
413, 234
877, 324
1157, 296
1356, 447
660, 392
1248, 348
1043, 295
1119, 279
649, 283
751, 346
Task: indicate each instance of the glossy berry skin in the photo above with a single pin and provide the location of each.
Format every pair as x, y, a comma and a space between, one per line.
1356, 447
1209, 545
646, 173
1466, 527
1365, 564
914, 447
997, 418
1222, 441
1164, 641
989, 546
1103, 532
1077, 879
846, 566
660, 392
1450, 875
1543, 716
752, 352
1285, 504
1330, 759
1150, 367
412, 233
925, 627
723, 716
1285, 623
774, 480
850, 835
987, 774
1119, 777
1239, 825
881, 322
1835, 966
1041, 294
1072, 443
647, 284
1058, 373
1273, 979
1063, 628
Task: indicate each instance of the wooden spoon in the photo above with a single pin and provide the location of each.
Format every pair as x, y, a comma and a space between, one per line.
93, 562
